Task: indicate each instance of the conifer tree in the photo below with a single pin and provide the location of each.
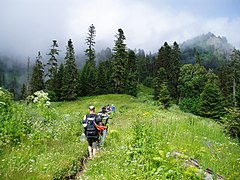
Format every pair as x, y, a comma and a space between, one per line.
192, 80
52, 67
235, 73
88, 79
141, 66
158, 80
174, 71
70, 79
119, 71
59, 86
90, 41
103, 77
23, 92
164, 96
132, 74
211, 99
37, 79
169, 59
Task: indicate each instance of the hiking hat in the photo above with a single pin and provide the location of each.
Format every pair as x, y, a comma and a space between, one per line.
91, 107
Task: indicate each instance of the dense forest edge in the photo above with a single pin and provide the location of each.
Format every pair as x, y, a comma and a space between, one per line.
198, 81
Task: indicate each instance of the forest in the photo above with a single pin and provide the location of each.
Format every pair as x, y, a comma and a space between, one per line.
188, 78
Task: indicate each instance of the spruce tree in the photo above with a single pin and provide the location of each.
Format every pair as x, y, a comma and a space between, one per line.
59, 86
169, 59
90, 41
211, 99
119, 71
88, 79
235, 73
158, 80
23, 92
164, 96
174, 72
37, 79
132, 74
103, 77
52, 67
191, 84
70, 79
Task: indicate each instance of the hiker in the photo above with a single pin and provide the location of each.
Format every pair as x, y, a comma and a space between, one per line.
90, 121
109, 108
104, 116
113, 108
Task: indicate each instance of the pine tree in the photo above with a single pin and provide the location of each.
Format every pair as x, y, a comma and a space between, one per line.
88, 80
23, 92
59, 86
174, 72
211, 99
192, 80
132, 74
169, 59
37, 79
52, 67
238, 95
164, 96
104, 77
90, 41
158, 80
70, 79
119, 71
88, 77
235, 73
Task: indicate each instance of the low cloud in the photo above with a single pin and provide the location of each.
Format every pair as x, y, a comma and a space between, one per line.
29, 26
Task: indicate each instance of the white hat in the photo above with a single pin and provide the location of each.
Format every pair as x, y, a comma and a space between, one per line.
91, 107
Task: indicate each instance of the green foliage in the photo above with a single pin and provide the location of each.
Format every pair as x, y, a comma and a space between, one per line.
147, 143
192, 80
13, 119
169, 59
104, 81
158, 80
164, 96
142, 143
88, 85
238, 95
189, 105
232, 122
52, 67
37, 81
70, 78
90, 52
120, 62
211, 99
131, 88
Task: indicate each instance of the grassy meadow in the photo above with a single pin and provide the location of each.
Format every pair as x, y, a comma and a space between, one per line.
143, 142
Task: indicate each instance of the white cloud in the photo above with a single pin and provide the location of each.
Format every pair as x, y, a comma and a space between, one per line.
30, 26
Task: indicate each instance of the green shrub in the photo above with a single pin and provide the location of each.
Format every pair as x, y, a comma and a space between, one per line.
189, 105
232, 123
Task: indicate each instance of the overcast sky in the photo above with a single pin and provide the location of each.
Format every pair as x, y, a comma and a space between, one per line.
29, 26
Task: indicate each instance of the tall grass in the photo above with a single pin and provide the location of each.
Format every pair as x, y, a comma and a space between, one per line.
141, 143
148, 138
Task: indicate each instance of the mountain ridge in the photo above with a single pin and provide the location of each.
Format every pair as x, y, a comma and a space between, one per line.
213, 50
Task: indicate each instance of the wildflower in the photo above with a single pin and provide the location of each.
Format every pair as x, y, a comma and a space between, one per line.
168, 154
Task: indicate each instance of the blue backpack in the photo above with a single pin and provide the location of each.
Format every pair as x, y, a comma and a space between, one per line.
91, 130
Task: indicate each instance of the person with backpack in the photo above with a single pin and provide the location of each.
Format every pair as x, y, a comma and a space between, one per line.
90, 123
105, 116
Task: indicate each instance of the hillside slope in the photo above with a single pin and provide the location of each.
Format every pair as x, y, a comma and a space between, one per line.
142, 140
